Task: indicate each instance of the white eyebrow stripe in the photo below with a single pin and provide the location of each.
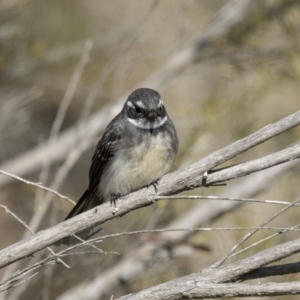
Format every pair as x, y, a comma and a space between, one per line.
129, 103
140, 104
160, 103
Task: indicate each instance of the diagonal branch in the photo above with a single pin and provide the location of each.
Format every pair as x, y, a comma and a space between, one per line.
210, 284
184, 179
195, 290
136, 264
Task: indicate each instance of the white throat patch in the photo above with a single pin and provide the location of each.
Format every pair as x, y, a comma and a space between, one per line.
144, 124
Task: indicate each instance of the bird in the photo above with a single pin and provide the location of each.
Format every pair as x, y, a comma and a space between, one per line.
136, 149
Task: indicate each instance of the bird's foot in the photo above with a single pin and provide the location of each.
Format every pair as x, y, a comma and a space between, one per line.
113, 201
154, 184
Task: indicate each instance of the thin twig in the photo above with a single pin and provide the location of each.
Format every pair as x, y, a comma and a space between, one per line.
39, 185
48, 260
281, 229
88, 242
9, 212
188, 197
246, 237
18, 283
263, 240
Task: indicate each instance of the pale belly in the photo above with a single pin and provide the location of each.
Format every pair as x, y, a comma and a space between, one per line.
138, 167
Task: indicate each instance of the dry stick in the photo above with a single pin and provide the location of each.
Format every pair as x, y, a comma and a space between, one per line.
107, 279
195, 290
39, 185
262, 240
180, 180
62, 253
20, 274
133, 265
48, 260
18, 283
126, 233
233, 272
246, 237
195, 197
174, 289
277, 270
9, 212
255, 230
88, 243
210, 210
226, 20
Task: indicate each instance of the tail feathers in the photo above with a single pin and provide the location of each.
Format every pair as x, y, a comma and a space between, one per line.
84, 203
80, 206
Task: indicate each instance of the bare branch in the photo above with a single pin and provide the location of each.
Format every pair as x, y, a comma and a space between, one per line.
201, 282
280, 229
134, 265
189, 177
9, 212
197, 290
246, 237
11, 284
278, 270
262, 240
39, 185
220, 198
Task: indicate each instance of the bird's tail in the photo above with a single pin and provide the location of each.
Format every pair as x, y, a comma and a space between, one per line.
85, 203
80, 206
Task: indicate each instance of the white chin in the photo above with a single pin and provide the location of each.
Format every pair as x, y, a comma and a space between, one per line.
148, 125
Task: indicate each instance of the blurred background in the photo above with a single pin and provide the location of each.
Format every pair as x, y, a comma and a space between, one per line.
66, 67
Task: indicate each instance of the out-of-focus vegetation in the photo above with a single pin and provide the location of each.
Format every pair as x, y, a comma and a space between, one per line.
250, 80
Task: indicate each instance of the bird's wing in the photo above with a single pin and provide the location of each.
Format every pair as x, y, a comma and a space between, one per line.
105, 150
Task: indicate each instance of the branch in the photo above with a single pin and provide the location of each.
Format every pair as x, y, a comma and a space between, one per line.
196, 290
210, 283
285, 269
184, 179
133, 265
39, 185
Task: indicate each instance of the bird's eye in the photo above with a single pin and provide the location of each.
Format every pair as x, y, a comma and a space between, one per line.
138, 110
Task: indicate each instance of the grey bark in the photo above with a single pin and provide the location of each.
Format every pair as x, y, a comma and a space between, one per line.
210, 283
184, 179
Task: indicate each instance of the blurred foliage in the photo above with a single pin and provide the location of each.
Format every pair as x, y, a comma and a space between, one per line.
250, 80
